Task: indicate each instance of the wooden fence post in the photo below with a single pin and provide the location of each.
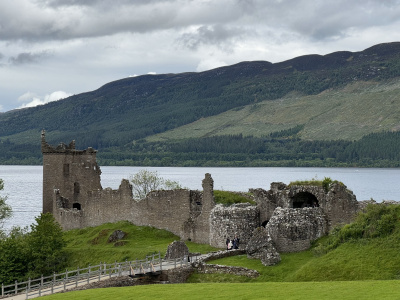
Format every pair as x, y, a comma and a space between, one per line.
29, 285
99, 271
77, 277
159, 254
16, 286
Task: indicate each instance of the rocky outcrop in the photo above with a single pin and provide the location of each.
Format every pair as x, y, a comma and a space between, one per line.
262, 247
117, 235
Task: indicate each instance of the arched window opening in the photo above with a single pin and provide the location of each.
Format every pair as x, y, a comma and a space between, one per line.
76, 205
304, 199
77, 188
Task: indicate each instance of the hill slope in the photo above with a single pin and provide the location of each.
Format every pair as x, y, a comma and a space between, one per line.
135, 108
348, 113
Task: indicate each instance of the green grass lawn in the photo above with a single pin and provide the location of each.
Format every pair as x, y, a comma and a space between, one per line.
343, 290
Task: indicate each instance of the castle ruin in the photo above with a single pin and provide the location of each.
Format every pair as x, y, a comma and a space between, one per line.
293, 215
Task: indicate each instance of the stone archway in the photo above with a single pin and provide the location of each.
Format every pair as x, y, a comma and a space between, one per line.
304, 199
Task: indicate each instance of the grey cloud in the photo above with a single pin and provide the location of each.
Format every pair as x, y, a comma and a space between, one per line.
332, 19
217, 20
28, 58
217, 35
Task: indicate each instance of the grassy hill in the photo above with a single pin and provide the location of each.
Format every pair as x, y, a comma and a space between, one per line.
346, 113
339, 96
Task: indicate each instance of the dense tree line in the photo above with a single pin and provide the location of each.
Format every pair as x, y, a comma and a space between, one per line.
373, 150
282, 148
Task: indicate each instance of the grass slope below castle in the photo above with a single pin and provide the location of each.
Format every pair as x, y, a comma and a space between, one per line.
351, 263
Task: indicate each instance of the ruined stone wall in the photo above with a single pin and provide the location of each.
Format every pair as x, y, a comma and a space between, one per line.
183, 212
294, 215
98, 207
202, 222
293, 229
341, 205
236, 220
163, 209
72, 172
338, 203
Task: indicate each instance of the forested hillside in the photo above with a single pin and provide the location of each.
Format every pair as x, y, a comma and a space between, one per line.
311, 109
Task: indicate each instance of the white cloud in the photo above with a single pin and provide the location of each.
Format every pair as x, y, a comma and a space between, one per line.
35, 100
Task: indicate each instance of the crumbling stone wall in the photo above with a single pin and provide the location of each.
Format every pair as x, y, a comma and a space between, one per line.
294, 215
98, 207
262, 247
236, 220
338, 203
73, 193
293, 229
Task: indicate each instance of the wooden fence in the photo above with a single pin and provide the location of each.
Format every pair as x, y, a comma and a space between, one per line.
46, 285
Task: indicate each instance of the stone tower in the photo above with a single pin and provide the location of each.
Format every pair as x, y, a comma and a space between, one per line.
71, 172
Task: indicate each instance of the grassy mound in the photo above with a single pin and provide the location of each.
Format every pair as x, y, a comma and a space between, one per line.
89, 245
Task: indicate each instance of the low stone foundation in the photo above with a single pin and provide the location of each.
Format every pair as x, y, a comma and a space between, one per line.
203, 268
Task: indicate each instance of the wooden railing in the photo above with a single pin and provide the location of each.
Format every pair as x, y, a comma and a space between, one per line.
46, 285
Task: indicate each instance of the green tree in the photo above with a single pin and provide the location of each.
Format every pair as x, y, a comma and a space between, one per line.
145, 181
14, 256
46, 242
5, 209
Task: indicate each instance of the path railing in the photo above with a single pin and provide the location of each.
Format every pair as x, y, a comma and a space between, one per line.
46, 285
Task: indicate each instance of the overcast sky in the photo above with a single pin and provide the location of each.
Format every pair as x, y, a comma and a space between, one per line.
50, 49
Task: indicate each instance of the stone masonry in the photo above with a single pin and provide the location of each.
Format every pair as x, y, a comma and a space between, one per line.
293, 216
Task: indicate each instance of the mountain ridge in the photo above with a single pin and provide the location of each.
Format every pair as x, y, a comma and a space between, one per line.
134, 108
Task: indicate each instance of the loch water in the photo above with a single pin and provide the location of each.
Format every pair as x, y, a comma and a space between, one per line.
23, 184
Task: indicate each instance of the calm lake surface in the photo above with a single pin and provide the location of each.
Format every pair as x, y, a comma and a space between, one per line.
23, 184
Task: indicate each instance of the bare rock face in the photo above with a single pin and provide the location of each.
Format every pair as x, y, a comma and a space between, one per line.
260, 246
116, 236
177, 249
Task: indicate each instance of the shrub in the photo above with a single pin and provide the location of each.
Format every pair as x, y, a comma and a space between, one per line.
229, 198
378, 220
